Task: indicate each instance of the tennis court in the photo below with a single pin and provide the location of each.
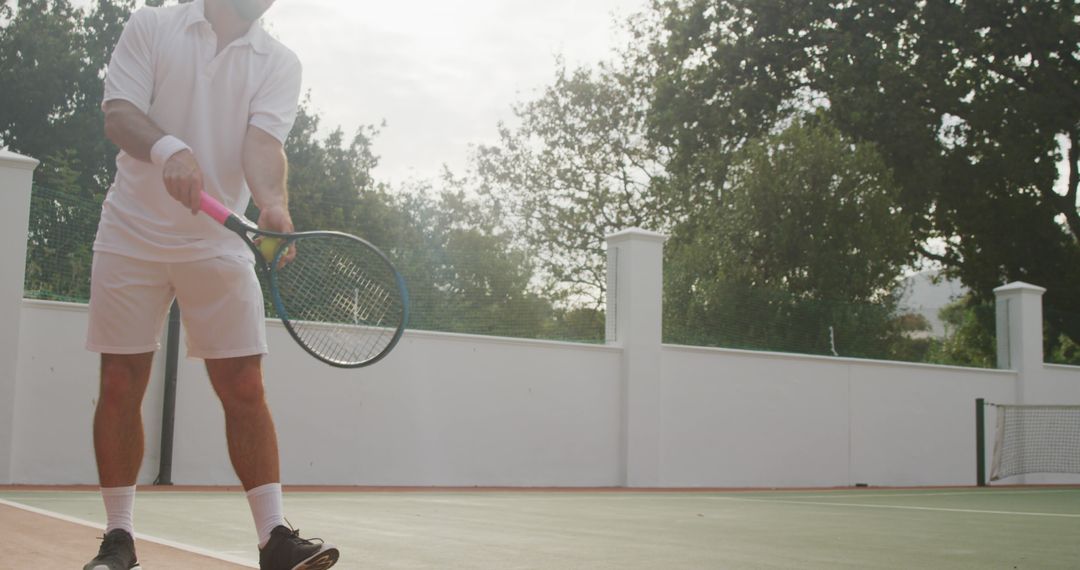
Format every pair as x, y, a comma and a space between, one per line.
1008, 527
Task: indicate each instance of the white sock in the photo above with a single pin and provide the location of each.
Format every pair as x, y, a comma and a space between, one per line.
119, 508
266, 509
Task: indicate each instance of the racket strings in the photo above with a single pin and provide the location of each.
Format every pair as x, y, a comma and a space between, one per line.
341, 299
345, 342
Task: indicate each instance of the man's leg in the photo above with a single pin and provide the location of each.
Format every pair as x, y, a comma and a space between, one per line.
118, 447
129, 300
249, 430
118, 430
118, 427
222, 305
249, 427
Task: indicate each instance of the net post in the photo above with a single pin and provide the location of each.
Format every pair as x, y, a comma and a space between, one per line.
980, 442
168, 412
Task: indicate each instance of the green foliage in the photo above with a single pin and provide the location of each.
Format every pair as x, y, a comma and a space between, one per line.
52, 59
970, 338
1058, 347
909, 338
1065, 352
972, 105
40, 73
576, 169
58, 247
812, 213
799, 252
330, 180
465, 279
466, 275
463, 274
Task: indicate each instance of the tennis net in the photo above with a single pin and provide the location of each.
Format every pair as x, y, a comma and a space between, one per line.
1035, 439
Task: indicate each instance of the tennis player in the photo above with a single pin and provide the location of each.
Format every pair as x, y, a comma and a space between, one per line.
198, 97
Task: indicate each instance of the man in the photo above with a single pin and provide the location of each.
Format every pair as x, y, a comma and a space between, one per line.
198, 97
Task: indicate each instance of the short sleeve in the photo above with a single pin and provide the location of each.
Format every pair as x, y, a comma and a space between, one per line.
274, 107
130, 75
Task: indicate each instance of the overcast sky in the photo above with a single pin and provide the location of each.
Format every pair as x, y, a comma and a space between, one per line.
441, 73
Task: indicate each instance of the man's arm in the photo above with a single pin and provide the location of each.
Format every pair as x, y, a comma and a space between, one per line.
135, 133
266, 171
130, 129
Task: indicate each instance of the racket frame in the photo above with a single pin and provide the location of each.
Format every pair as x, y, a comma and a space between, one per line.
244, 228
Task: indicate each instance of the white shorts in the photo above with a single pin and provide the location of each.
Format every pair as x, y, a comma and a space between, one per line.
221, 305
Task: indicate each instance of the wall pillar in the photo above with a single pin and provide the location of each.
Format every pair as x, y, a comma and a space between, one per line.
634, 305
16, 175
1020, 336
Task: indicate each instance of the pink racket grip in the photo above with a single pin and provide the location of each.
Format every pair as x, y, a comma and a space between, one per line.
213, 208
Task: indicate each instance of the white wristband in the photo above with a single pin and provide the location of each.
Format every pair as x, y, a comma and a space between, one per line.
165, 147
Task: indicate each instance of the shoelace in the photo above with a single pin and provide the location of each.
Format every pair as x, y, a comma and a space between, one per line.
295, 535
109, 546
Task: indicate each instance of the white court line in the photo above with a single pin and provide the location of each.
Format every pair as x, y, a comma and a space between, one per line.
902, 493
899, 507
138, 535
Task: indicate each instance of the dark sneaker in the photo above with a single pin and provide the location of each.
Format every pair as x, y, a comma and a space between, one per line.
287, 551
117, 552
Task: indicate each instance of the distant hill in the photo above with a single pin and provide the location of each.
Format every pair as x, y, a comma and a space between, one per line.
925, 297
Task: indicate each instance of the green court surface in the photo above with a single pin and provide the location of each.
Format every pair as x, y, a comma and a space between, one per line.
1007, 528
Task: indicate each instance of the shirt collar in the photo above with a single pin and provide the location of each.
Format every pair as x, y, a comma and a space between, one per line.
195, 12
256, 36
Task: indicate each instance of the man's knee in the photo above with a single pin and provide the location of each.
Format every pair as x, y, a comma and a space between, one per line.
124, 378
237, 381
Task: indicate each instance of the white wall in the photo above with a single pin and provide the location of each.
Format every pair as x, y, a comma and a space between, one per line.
57, 392
15, 176
440, 410
759, 419
464, 410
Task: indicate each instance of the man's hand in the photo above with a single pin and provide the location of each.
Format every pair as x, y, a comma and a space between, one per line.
184, 179
276, 218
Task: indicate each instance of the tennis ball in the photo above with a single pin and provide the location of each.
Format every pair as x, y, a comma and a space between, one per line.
268, 246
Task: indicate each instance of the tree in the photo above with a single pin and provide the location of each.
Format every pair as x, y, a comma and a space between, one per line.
462, 274
969, 338
52, 61
799, 252
62, 227
39, 71
971, 104
583, 163
330, 181
812, 213
465, 274
575, 170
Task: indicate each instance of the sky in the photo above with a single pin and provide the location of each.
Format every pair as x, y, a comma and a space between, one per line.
440, 73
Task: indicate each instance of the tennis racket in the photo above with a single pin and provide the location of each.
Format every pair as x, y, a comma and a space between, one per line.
339, 297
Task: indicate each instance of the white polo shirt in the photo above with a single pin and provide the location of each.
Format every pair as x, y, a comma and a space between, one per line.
166, 64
